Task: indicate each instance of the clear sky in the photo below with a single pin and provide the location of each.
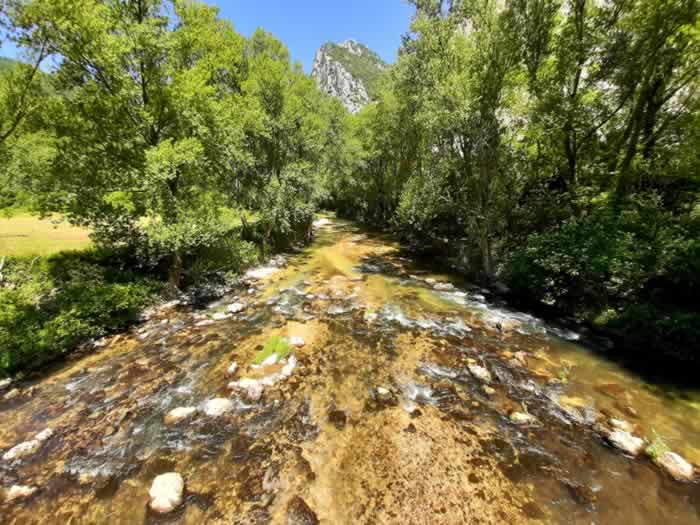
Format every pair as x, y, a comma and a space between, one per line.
304, 25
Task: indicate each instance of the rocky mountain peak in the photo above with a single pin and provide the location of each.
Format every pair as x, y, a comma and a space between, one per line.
348, 71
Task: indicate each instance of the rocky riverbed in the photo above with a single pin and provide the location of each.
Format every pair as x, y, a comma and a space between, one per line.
347, 384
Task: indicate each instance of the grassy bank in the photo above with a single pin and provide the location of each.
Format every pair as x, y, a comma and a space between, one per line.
23, 234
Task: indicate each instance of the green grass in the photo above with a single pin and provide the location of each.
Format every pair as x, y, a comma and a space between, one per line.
275, 345
23, 234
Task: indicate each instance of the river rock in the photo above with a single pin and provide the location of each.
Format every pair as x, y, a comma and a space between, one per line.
22, 450
522, 418
17, 492
220, 316
299, 513
677, 467
620, 424
521, 358
179, 414
44, 435
252, 387
236, 308
12, 394
28, 448
166, 492
443, 287
479, 372
625, 441
204, 322
289, 367
5, 384
217, 407
231, 370
296, 341
489, 391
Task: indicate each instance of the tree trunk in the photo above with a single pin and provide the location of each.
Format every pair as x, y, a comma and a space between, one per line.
175, 270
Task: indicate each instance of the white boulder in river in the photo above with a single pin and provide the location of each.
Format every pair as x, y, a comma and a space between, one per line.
166, 492
677, 467
625, 442
176, 415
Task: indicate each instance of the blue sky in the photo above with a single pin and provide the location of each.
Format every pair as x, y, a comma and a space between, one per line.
303, 25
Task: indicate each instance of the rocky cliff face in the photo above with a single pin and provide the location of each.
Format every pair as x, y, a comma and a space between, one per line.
348, 71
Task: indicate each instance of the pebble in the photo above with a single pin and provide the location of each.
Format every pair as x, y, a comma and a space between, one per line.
217, 407
176, 415
489, 391
166, 492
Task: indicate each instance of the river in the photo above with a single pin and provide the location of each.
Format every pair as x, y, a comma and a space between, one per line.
408, 397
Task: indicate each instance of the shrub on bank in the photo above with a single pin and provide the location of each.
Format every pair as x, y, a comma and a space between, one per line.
49, 305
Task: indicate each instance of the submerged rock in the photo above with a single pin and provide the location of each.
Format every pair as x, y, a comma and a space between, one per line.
299, 513
217, 407
677, 467
179, 414
338, 418
166, 492
17, 492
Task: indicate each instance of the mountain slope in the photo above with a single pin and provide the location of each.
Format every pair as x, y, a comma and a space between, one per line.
349, 71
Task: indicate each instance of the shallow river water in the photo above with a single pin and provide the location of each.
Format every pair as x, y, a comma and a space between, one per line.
409, 397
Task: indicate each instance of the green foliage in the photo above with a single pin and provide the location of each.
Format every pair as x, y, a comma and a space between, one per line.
553, 147
50, 305
274, 345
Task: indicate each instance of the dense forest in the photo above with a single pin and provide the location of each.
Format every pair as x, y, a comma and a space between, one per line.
549, 148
